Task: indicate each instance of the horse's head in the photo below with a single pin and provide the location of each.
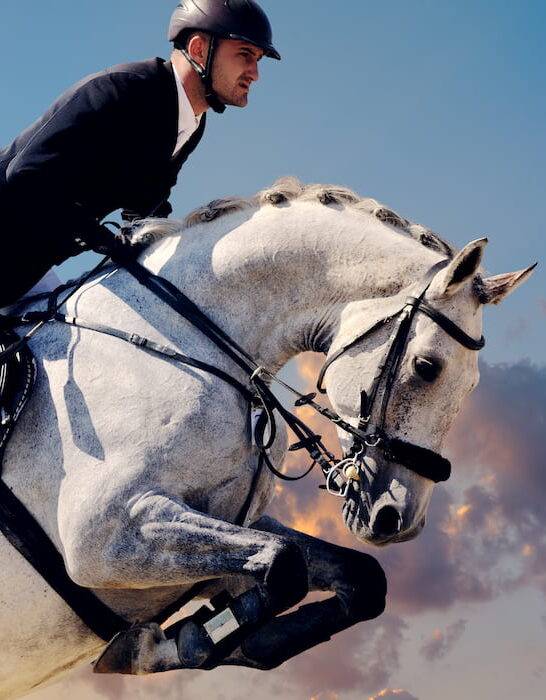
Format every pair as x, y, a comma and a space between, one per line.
402, 384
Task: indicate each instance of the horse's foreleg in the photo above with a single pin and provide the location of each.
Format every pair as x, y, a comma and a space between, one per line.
170, 543
202, 640
161, 541
356, 579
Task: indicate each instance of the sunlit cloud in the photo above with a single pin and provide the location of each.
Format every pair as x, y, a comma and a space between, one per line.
442, 641
463, 510
326, 695
301, 504
479, 540
399, 694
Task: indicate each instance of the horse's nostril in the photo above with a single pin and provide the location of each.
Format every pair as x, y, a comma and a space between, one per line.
387, 521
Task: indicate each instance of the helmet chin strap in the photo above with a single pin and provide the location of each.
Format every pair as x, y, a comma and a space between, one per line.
206, 74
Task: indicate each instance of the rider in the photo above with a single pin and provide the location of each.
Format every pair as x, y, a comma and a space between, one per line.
117, 140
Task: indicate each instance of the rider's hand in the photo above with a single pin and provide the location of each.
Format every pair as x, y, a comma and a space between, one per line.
102, 240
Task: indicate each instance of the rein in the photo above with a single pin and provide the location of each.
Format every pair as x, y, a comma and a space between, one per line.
53, 306
262, 397
338, 473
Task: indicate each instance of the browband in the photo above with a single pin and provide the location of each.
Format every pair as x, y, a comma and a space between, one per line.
447, 324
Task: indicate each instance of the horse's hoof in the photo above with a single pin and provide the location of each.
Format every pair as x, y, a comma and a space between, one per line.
139, 650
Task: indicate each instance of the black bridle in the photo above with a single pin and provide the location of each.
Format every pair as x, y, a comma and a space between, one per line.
420, 460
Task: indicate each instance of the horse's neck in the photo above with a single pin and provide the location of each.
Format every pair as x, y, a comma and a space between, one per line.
278, 278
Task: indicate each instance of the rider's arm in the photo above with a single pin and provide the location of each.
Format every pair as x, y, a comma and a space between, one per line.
60, 170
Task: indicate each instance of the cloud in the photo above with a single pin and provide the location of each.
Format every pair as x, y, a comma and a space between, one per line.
505, 441
361, 658
441, 643
394, 695
485, 532
496, 448
516, 329
301, 504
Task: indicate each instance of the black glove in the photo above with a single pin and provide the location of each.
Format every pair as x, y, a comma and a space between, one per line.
103, 241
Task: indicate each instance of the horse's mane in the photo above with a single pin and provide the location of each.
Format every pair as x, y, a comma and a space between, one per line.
288, 189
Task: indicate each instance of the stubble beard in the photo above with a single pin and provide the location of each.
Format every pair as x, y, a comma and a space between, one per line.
233, 97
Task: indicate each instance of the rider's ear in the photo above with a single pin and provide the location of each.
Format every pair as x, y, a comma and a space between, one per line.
462, 268
197, 48
493, 290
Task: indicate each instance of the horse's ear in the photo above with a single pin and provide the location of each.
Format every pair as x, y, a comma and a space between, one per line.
462, 268
493, 290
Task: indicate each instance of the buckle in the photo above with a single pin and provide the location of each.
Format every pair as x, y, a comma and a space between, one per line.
137, 339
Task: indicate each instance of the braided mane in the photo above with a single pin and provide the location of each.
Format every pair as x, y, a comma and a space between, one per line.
285, 190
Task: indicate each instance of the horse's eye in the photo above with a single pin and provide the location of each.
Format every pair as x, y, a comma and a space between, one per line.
427, 368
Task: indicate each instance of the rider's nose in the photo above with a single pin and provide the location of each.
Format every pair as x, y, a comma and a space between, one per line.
254, 73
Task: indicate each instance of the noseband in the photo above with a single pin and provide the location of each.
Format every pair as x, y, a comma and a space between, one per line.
420, 460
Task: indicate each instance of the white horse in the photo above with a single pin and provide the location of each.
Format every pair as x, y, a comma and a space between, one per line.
138, 467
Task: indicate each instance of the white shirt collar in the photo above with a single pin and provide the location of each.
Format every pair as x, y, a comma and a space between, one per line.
187, 121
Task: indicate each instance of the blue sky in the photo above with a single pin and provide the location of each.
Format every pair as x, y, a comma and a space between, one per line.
436, 108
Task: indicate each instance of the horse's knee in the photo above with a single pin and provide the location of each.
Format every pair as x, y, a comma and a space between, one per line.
286, 580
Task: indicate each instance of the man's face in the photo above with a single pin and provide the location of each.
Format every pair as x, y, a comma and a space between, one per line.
234, 69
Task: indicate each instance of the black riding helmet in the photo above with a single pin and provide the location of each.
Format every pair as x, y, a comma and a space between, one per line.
228, 19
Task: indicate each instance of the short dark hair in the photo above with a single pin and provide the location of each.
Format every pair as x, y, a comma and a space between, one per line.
183, 39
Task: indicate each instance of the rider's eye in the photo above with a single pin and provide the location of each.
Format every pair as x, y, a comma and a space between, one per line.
427, 368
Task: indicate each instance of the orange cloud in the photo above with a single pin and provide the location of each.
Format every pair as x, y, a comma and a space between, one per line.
441, 642
399, 694
302, 505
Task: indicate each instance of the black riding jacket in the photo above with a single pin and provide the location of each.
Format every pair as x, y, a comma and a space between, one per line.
105, 144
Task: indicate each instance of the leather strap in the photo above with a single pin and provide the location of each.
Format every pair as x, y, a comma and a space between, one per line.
156, 348
185, 307
24, 532
338, 353
420, 460
447, 324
